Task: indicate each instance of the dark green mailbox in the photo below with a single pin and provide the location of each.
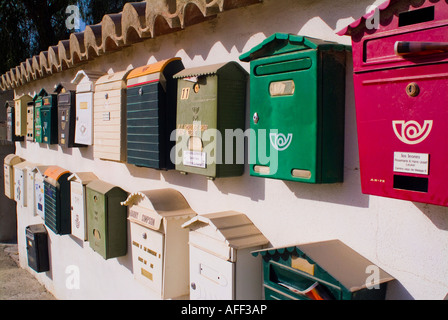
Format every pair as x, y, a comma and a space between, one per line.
210, 100
106, 219
38, 102
66, 114
328, 270
49, 119
297, 104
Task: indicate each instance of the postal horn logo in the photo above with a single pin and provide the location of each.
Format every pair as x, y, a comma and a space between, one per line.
280, 142
411, 132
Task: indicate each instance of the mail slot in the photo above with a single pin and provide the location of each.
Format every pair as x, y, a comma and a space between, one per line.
151, 113
106, 219
8, 169
49, 115
21, 182
57, 200
30, 121
37, 248
297, 99
85, 85
327, 270
78, 197
38, 174
66, 97
38, 103
159, 244
20, 105
110, 117
400, 76
221, 264
10, 123
211, 101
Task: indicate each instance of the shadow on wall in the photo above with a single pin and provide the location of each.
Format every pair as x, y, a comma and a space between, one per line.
437, 214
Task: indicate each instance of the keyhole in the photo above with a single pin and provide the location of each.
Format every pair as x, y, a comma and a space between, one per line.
413, 89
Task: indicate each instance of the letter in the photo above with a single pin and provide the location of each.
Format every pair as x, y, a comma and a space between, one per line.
72, 280
263, 308
184, 310
214, 147
238, 155
229, 309
72, 22
372, 281
373, 22
212, 311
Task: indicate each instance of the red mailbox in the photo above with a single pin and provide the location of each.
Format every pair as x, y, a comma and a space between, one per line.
400, 81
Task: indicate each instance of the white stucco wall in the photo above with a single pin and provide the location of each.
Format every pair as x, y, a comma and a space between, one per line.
408, 240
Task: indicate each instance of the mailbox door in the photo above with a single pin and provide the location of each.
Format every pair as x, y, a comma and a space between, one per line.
30, 123
10, 128
64, 126
211, 278
20, 187
17, 117
39, 196
196, 115
30, 190
38, 121
148, 256
37, 248
9, 191
52, 207
78, 211
48, 125
96, 221
84, 117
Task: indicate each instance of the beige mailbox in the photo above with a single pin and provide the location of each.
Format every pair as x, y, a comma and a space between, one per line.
78, 183
159, 243
20, 109
221, 264
10, 161
21, 181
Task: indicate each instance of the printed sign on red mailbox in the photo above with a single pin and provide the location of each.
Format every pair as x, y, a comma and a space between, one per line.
400, 67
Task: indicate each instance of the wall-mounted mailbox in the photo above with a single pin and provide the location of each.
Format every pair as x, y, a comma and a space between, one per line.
151, 113
210, 100
110, 117
49, 115
297, 99
38, 103
10, 123
159, 244
221, 264
30, 121
21, 181
57, 200
66, 96
85, 85
328, 270
37, 247
400, 75
8, 169
78, 197
106, 219
38, 175
20, 106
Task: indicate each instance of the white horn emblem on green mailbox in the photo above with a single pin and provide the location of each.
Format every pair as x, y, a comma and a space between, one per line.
280, 142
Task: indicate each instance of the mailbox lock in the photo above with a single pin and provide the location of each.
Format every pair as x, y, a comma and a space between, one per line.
193, 286
256, 118
140, 91
413, 89
144, 235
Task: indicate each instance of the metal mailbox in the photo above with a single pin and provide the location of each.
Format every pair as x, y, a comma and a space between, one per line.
400, 73
151, 113
297, 111
38, 175
78, 197
10, 123
20, 106
66, 93
110, 117
37, 247
57, 200
210, 100
85, 85
21, 181
38, 103
106, 219
49, 118
8, 169
221, 264
159, 243
328, 270
30, 121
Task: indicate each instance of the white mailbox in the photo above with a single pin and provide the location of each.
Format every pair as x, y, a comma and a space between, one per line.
39, 190
78, 183
159, 243
221, 264
8, 168
85, 84
21, 181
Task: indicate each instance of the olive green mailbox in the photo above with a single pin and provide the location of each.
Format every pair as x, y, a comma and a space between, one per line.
210, 100
297, 104
38, 103
106, 219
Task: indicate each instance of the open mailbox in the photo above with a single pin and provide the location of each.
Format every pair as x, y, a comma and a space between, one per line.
159, 244
297, 98
327, 270
400, 76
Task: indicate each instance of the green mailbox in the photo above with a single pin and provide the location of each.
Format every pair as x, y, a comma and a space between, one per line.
49, 119
297, 107
106, 219
327, 270
210, 100
38, 102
